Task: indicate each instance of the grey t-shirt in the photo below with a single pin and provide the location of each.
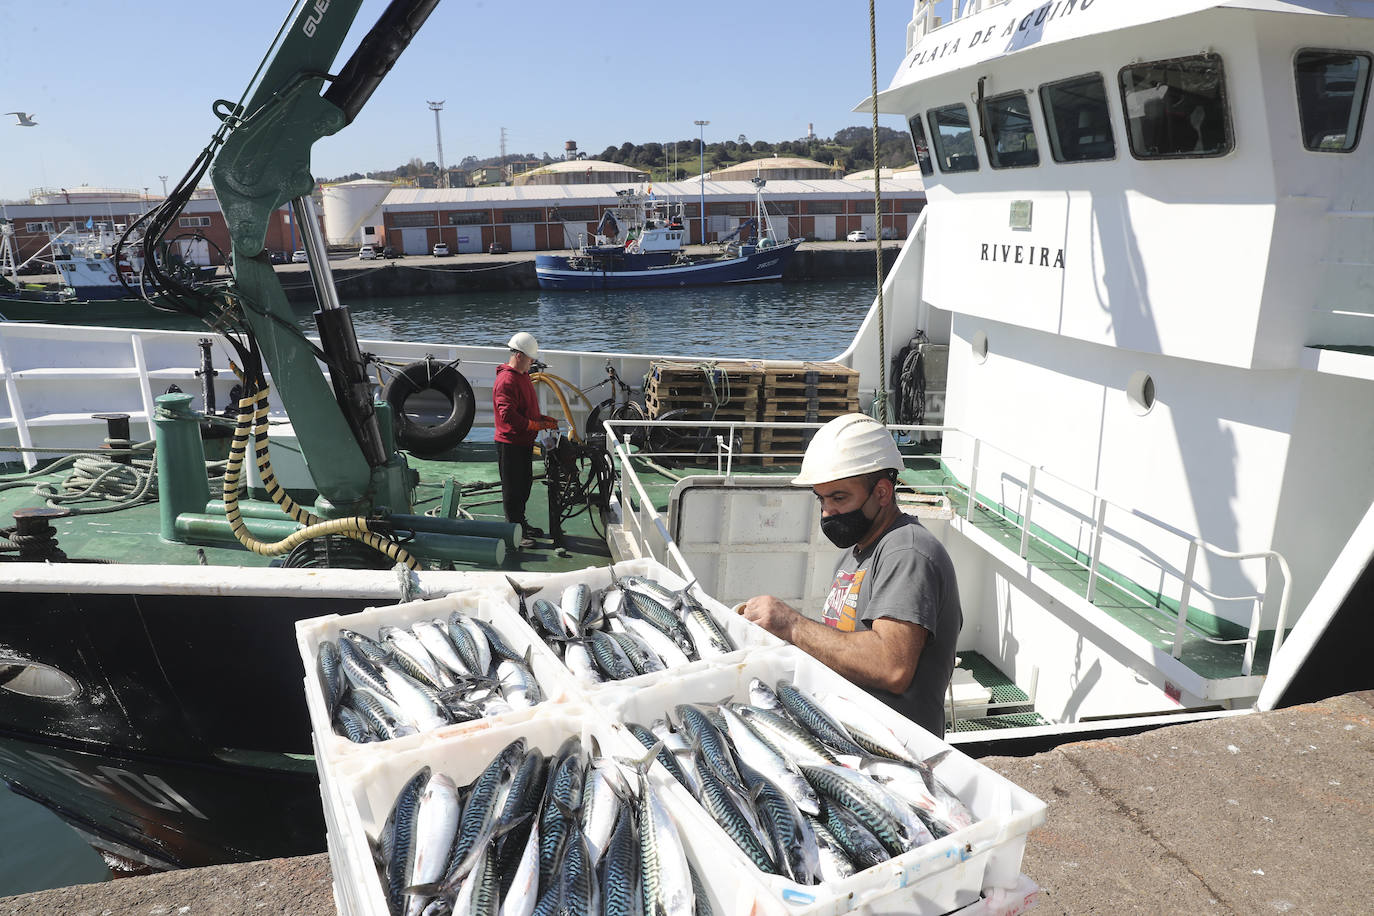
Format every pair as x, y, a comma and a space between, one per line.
906, 575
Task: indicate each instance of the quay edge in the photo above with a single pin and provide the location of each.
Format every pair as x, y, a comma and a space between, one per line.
1251, 813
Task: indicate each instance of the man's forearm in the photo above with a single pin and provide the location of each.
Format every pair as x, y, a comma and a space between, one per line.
861, 656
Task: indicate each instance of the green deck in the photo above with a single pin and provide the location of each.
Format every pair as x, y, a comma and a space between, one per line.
132, 535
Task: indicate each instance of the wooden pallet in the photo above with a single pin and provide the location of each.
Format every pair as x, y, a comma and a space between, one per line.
811, 380
806, 410
731, 387
735, 409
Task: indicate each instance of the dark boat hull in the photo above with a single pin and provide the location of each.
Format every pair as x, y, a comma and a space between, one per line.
559, 272
186, 740
99, 312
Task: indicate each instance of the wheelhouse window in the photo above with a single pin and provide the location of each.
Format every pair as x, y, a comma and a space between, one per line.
1332, 89
1010, 135
1079, 121
953, 139
918, 140
1176, 108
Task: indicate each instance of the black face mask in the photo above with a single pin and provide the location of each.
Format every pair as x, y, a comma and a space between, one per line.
845, 529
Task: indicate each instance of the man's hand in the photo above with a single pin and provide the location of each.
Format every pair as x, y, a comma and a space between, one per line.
548, 423
774, 615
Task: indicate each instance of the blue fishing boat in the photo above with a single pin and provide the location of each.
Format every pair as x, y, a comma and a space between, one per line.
639, 245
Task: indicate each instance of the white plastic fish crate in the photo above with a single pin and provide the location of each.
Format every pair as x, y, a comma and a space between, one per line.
487, 604
936, 878
366, 791
999, 901
746, 635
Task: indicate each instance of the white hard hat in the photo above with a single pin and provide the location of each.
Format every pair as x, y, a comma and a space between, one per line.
848, 446
525, 343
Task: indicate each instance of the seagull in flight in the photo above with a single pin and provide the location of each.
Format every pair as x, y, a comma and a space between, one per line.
25, 119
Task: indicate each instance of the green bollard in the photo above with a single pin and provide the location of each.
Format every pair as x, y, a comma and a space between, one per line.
181, 480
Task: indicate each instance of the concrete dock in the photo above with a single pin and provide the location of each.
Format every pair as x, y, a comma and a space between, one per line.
1253, 814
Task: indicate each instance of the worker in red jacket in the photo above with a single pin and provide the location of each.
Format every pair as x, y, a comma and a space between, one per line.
518, 421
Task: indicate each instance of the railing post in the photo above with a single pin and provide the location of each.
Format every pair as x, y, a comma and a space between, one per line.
1282, 620
1252, 636
973, 479
1098, 528
1184, 598
1026, 514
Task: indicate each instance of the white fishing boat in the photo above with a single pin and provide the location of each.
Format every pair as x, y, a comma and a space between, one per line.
1141, 264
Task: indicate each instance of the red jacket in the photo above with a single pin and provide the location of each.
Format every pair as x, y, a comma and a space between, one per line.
516, 406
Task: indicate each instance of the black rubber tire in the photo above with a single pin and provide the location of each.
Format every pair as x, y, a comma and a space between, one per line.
448, 382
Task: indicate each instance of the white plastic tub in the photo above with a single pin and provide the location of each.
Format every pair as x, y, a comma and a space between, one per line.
936, 878
556, 681
366, 790
745, 634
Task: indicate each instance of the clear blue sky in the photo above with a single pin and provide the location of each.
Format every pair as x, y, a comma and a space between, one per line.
122, 90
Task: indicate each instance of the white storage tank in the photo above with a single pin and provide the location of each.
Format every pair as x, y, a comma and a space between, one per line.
351, 207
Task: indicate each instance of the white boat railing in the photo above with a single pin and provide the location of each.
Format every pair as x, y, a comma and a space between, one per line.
1034, 493
1040, 501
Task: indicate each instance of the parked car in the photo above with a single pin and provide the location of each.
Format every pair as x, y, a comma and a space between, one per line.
388, 252
858, 235
298, 257
441, 250
367, 253
496, 248
276, 257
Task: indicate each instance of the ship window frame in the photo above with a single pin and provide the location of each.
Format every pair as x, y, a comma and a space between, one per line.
917, 128
1048, 112
936, 136
1223, 99
1364, 98
990, 123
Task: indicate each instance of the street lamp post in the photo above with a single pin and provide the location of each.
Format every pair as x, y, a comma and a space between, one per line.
164, 185
436, 107
701, 128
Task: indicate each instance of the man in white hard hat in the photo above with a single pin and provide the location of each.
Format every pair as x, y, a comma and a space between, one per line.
892, 618
518, 421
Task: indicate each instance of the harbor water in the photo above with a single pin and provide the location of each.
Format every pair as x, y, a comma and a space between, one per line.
813, 321
761, 321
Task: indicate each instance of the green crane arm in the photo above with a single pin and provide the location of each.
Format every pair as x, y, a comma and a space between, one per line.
263, 164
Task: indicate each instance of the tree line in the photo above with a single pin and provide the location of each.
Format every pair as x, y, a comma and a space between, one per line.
850, 150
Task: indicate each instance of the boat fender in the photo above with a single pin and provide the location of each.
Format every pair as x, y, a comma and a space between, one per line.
447, 381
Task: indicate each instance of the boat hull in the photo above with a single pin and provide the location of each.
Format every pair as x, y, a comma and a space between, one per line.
99, 312
170, 730
558, 272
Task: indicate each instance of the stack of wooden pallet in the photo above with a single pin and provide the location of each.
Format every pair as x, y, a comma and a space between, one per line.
720, 389
808, 393
748, 391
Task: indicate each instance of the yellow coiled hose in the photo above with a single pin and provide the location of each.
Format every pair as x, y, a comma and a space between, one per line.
555, 382
252, 416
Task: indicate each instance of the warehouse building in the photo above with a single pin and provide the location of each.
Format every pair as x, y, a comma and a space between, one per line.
552, 217
530, 217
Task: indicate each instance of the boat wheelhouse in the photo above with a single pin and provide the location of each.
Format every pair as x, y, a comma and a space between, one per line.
1143, 247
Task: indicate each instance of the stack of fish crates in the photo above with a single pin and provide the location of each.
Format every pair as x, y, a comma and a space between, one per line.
809, 393
966, 871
